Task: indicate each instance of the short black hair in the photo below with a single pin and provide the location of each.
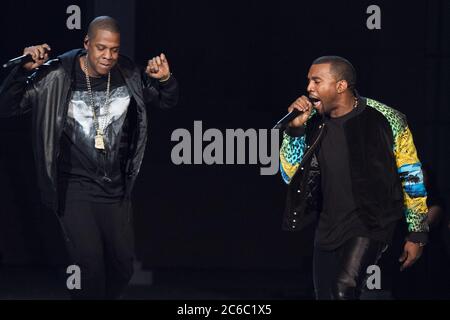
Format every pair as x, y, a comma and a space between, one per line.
341, 67
103, 23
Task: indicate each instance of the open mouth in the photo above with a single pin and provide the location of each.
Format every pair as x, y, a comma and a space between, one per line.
315, 101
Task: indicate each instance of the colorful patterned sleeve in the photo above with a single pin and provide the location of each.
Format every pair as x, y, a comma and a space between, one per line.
291, 154
410, 171
409, 168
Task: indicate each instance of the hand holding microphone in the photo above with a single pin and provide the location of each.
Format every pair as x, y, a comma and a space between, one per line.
32, 57
304, 106
299, 112
39, 55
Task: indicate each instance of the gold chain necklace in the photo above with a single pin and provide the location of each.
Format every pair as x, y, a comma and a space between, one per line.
99, 141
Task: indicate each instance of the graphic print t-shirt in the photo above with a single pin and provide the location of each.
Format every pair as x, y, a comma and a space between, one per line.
84, 172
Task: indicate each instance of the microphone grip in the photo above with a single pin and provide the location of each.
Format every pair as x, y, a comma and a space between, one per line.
287, 118
20, 60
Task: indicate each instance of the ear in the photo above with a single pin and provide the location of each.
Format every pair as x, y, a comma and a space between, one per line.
86, 42
341, 86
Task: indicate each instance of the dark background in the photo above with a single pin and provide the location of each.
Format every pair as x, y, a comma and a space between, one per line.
239, 65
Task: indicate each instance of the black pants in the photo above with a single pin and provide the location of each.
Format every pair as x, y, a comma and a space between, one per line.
99, 239
341, 274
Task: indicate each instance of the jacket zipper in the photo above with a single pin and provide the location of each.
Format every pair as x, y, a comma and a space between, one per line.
312, 146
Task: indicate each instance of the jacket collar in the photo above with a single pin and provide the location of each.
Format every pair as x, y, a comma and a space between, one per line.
68, 59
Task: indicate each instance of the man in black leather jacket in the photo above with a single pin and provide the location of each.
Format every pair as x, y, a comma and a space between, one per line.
89, 123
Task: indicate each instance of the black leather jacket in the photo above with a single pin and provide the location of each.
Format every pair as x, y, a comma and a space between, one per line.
47, 92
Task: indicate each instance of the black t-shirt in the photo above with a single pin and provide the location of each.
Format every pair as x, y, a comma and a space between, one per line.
84, 172
339, 219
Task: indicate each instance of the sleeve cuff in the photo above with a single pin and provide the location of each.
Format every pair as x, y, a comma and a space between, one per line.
20, 74
295, 131
168, 82
418, 237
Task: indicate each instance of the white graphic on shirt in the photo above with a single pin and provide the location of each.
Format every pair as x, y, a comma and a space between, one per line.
83, 114
80, 121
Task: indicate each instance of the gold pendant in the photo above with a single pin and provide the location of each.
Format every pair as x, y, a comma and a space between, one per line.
99, 142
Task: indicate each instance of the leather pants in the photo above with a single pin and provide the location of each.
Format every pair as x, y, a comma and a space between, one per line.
341, 274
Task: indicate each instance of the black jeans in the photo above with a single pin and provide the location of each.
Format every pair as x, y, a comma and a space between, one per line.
341, 274
99, 239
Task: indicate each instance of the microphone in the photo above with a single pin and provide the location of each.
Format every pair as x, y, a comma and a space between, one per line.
290, 116
20, 60
287, 118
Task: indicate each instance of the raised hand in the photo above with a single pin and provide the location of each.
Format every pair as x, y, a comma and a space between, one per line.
158, 68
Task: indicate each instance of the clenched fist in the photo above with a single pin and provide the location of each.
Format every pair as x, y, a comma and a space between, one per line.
158, 68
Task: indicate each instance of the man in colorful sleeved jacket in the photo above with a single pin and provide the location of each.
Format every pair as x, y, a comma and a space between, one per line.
351, 167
